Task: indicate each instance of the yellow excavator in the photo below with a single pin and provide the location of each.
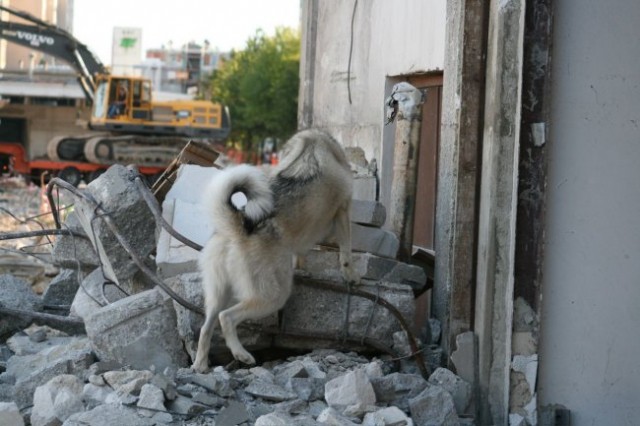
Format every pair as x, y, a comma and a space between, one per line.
127, 125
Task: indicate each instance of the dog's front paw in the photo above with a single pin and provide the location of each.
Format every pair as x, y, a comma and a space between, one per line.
200, 367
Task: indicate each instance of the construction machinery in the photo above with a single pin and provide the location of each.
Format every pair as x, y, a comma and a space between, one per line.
127, 125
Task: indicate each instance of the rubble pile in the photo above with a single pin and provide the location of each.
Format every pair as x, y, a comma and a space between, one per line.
53, 378
130, 366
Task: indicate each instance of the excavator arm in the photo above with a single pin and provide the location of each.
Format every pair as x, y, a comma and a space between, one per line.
54, 41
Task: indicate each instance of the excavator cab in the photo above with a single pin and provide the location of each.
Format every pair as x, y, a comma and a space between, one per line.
121, 99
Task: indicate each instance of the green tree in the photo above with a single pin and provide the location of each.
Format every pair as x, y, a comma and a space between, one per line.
260, 86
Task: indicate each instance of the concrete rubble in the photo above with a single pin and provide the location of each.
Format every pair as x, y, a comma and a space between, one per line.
131, 367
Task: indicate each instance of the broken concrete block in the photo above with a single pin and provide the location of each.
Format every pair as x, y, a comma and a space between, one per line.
94, 395
189, 323
10, 414
94, 293
528, 366
433, 407
387, 416
184, 210
397, 388
31, 371
269, 391
37, 338
365, 188
325, 264
368, 213
279, 418
16, 294
330, 416
174, 257
185, 406
58, 399
458, 388
234, 413
109, 415
374, 240
117, 194
74, 252
316, 310
62, 288
129, 381
464, 356
151, 397
350, 389
139, 331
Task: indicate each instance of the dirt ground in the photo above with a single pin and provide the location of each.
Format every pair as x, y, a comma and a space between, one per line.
24, 208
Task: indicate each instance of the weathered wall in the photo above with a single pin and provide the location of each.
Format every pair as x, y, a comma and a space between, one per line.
389, 39
590, 342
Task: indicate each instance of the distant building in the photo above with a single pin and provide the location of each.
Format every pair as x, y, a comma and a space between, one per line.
18, 58
179, 70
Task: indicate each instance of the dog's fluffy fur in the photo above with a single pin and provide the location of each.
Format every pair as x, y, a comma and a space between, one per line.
247, 265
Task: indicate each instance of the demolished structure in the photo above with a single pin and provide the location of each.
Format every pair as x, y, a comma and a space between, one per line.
128, 275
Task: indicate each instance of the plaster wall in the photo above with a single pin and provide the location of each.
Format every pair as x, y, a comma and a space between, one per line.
390, 38
590, 342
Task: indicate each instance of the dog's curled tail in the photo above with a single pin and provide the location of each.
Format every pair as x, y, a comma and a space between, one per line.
229, 215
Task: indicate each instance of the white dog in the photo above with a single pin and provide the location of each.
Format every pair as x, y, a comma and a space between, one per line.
247, 265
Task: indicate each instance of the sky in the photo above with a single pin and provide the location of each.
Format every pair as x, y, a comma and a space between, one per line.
226, 24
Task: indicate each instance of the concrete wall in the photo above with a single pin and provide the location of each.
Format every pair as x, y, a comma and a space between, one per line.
390, 38
590, 341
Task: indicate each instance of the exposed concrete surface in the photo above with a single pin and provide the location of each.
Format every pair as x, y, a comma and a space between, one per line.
590, 286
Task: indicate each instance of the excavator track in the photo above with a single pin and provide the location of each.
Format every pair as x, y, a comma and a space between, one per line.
143, 150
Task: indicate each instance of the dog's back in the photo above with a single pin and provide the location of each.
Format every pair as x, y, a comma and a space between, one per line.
312, 181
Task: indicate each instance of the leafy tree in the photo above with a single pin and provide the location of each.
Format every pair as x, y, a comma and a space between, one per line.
260, 86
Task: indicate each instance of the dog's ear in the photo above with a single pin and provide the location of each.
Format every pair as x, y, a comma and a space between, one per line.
300, 164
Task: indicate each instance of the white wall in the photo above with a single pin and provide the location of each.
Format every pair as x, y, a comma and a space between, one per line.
390, 38
590, 342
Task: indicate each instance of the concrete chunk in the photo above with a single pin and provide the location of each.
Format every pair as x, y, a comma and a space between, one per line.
16, 294
369, 213
31, 371
458, 388
374, 240
325, 264
139, 331
352, 388
62, 288
315, 310
365, 188
10, 414
433, 407
57, 400
117, 194
397, 388
109, 415
73, 252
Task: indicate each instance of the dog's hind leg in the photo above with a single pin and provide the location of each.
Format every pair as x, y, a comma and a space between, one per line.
232, 317
343, 237
216, 299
